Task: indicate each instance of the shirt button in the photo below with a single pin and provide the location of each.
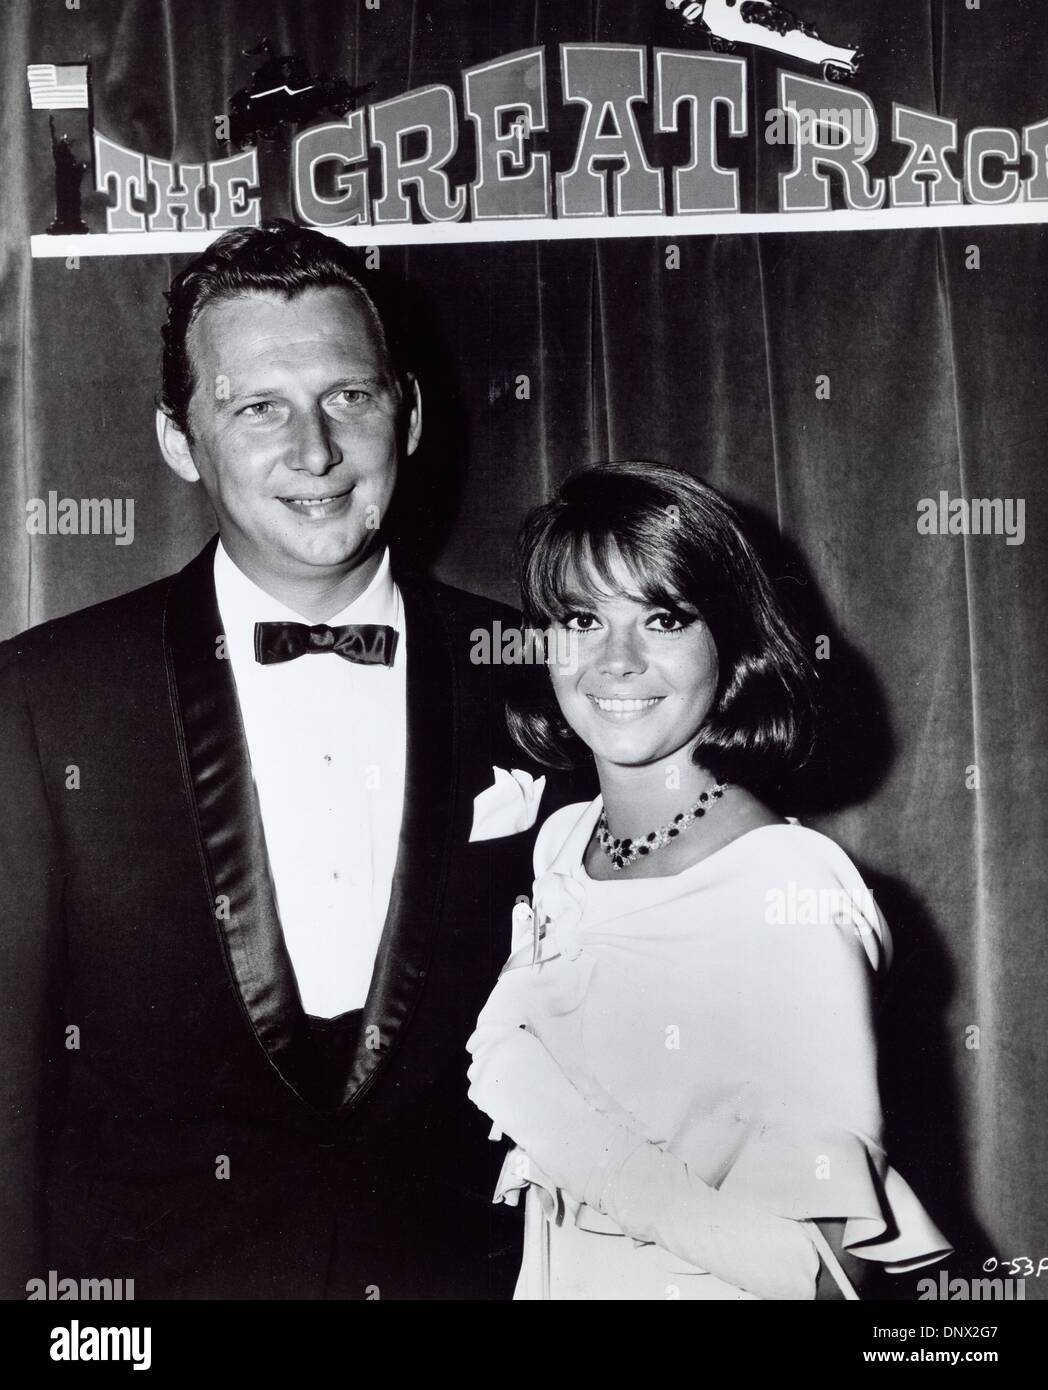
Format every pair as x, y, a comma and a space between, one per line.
327, 757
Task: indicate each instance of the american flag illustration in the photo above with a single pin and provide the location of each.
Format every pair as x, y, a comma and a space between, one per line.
58, 86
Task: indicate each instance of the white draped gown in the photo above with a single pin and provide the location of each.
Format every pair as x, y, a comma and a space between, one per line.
723, 1014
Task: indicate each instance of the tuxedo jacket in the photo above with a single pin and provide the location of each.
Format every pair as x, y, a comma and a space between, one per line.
157, 1072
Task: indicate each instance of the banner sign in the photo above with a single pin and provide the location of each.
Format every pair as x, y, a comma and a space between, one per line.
383, 172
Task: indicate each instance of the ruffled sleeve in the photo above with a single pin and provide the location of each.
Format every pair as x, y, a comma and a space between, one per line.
819, 1171
801, 1137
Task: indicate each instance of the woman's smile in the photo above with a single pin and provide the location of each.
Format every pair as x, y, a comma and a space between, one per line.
622, 709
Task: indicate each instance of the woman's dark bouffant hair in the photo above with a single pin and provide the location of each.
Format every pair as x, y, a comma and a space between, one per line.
686, 547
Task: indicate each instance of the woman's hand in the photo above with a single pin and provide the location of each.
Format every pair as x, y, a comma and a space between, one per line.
651, 1194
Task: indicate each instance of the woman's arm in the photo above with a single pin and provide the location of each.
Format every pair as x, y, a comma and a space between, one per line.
650, 1193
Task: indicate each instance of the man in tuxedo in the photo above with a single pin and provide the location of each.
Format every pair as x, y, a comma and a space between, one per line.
251, 907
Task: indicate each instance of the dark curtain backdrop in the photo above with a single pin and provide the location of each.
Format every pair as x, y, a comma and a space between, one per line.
938, 381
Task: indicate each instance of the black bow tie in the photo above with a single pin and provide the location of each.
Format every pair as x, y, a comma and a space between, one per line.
367, 644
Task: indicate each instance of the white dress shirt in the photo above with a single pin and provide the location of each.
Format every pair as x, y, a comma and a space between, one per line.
327, 740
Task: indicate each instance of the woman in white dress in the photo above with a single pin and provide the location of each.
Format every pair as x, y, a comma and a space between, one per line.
681, 1044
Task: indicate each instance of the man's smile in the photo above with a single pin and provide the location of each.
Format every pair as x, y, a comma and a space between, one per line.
329, 504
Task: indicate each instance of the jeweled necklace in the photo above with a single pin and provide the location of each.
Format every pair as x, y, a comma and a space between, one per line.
627, 851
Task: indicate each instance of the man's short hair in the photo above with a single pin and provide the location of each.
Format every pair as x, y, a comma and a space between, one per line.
687, 548
278, 257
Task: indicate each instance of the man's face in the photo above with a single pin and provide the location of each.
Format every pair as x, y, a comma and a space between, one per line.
294, 430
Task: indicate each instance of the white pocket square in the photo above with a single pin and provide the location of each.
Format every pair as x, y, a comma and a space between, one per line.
508, 806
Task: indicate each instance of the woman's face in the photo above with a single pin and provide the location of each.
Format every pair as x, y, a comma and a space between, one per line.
641, 680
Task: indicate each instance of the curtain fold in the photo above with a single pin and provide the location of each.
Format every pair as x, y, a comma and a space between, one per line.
15, 317
773, 449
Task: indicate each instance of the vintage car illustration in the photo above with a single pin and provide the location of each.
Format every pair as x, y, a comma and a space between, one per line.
767, 25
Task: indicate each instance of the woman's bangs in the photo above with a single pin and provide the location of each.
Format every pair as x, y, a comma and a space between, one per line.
586, 565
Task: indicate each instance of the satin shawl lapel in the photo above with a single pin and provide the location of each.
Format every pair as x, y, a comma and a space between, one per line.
216, 766
426, 838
